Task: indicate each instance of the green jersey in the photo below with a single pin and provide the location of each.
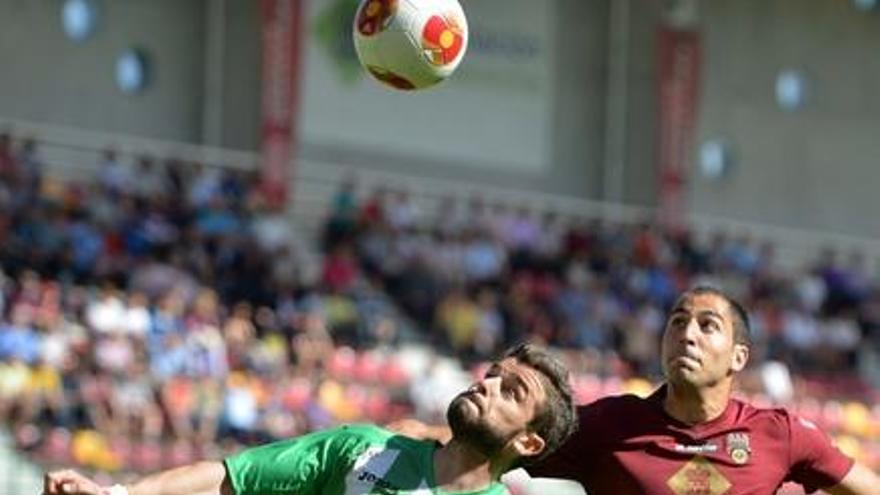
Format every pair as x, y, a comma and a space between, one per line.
348, 460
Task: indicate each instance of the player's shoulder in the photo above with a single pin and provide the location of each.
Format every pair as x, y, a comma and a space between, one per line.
611, 419
365, 431
621, 401
375, 434
775, 416
367, 436
747, 407
355, 438
615, 405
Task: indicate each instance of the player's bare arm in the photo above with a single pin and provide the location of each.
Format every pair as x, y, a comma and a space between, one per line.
203, 478
859, 481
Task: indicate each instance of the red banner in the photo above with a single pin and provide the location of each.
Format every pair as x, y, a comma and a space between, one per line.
282, 39
679, 57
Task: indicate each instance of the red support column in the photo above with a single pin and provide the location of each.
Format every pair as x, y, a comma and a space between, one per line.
282, 35
679, 57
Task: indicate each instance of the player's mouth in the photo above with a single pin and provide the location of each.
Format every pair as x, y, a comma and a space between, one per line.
685, 359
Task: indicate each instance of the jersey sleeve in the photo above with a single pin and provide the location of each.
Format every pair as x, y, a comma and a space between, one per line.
814, 461
300, 465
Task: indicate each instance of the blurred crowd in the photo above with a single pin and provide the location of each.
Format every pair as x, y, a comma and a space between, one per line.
154, 313
151, 313
483, 276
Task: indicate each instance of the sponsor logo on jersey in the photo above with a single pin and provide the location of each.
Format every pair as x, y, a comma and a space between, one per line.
705, 448
369, 471
378, 482
698, 477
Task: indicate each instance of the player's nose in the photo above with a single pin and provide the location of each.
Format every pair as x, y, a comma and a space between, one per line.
689, 332
491, 385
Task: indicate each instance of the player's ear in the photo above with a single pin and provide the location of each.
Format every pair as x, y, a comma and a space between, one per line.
740, 357
528, 444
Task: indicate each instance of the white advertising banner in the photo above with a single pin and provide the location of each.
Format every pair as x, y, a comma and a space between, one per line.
495, 111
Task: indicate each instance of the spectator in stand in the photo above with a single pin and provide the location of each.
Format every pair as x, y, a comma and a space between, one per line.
177, 397
521, 233
402, 213
340, 270
490, 324
19, 339
115, 177
30, 167
457, 317
373, 211
106, 314
342, 221
137, 413
8, 164
151, 182
14, 377
483, 257
206, 184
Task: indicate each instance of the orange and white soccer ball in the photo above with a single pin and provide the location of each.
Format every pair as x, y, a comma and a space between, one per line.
410, 44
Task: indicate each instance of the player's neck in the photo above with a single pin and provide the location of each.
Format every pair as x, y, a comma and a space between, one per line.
459, 467
696, 405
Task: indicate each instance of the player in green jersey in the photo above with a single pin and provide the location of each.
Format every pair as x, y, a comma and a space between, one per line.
520, 411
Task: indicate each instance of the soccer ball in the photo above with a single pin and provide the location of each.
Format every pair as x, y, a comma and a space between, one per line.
410, 44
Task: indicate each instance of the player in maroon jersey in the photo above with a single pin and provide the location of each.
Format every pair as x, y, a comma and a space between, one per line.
691, 437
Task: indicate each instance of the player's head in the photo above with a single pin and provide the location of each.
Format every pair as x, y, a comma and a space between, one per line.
522, 409
706, 339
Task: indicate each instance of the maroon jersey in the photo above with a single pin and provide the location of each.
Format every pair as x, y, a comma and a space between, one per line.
629, 446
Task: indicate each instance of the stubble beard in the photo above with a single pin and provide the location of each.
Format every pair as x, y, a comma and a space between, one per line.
473, 430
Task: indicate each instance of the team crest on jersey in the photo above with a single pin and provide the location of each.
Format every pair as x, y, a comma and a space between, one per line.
738, 447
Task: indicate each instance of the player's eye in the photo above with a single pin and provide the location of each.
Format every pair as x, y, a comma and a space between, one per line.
710, 325
507, 388
513, 389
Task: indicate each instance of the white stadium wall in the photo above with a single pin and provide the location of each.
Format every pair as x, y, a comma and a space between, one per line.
579, 98
640, 173
241, 76
817, 168
45, 77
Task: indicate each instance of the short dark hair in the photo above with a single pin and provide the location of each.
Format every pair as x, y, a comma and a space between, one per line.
556, 420
742, 329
